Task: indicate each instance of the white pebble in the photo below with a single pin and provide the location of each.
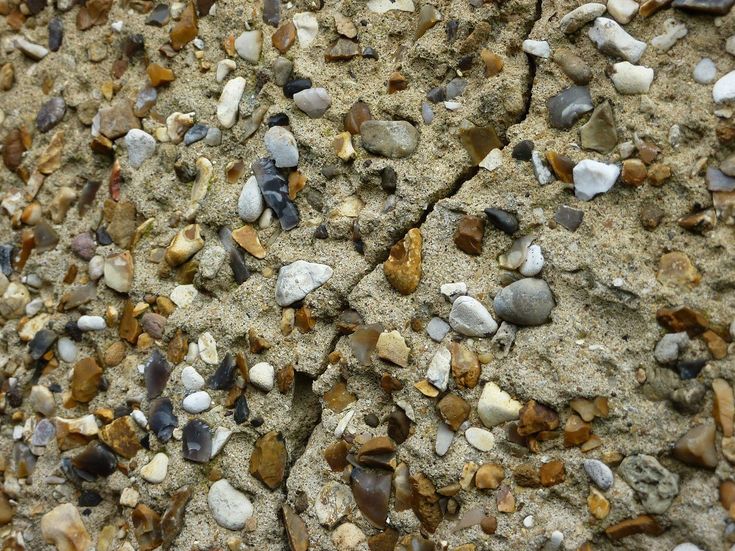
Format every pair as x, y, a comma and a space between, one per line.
469, 317
220, 438
197, 402
191, 379
282, 147
192, 353
592, 178
261, 376
705, 71
224, 68
674, 31
438, 372
579, 17
67, 350
453, 290
155, 471
307, 27
492, 160
230, 508
623, 11
183, 295
479, 438
140, 418
437, 329
631, 79
537, 48
534, 262
34, 307
91, 323
730, 45
554, 541
96, 267
250, 204
528, 521
540, 170
208, 349
249, 44
724, 89
496, 406
611, 39
229, 101
343, 423
298, 279
140, 145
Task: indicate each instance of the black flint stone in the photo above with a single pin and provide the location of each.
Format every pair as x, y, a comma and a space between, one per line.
502, 220
295, 86
523, 150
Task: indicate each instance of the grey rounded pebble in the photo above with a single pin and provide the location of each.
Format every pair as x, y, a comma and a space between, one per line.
392, 139
84, 245
528, 301
599, 473
213, 137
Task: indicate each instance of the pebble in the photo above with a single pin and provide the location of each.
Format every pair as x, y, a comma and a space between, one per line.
220, 438
41, 400
262, 376
437, 329
348, 537
67, 350
156, 470
599, 473
631, 79
34, 51
229, 101
248, 46
140, 145
611, 39
479, 438
670, 347
191, 379
392, 139
438, 372
313, 101
469, 317
282, 147
534, 262
502, 219
250, 204
91, 323
573, 66
213, 137
579, 17
724, 89
140, 418
224, 68
50, 114
623, 11
567, 107
208, 349
62, 526
674, 31
230, 508
333, 503
537, 48
528, 301
119, 271
183, 295
298, 279
444, 438
655, 485
592, 178
197, 402
453, 290
307, 28
496, 406
195, 134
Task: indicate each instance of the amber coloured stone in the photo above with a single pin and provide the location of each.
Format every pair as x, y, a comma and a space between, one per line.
425, 502
454, 410
576, 431
643, 524
147, 527
159, 75
172, 520
396, 82
85, 380
298, 536
535, 417
552, 473
342, 50
465, 366
478, 141
403, 267
269, 459
469, 233
121, 436
186, 28
358, 114
338, 397
683, 318
284, 37
561, 165
493, 63
336, 455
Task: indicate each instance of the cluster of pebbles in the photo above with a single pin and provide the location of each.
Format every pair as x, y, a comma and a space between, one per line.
374, 275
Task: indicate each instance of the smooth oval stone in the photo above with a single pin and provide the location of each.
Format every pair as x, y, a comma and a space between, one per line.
50, 114
313, 101
197, 441
55, 34
502, 219
528, 301
250, 204
195, 133
230, 507
392, 139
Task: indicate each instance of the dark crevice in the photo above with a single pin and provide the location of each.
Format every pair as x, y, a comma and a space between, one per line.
531, 68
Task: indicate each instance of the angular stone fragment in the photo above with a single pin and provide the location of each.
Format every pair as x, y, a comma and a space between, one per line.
489, 476
568, 106
535, 417
185, 244
391, 346
117, 120
392, 139
342, 50
172, 520
298, 537
147, 527
425, 502
576, 431
85, 380
454, 410
469, 233
631, 79
675, 268
282, 147
642, 524
723, 407
599, 132
710, 7
611, 39
63, 527
592, 178
552, 473
197, 441
298, 279
402, 269
269, 459
655, 485
121, 435
274, 189
284, 37
428, 17
697, 447
358, 114
50, 114
186, 28
478, 141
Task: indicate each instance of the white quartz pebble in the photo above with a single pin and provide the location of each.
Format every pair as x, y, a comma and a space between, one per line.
298, 279
534, 262
229, 101
183, 295
262, 375
250, 205
307, 27
611, 39
724, 89
191, 379
705, 71
631, 79
67, 350
537, 48
580, 16
438, 372
249, 44
155, 471
623, 11
479, 438
496, 406
91, 323
197, 402
224, 68
220, 438
230, 508
208, 349
140, 145
592, 178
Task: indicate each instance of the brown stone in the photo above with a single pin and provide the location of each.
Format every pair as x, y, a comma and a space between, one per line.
186, 28
122, 222
505, 500
62, 526
383, 541
298, 536
648, 152
85, 380
489, 524
403, 267
338, 397
425, 502
489, 476
634, 172
697, 447
675, 268
147, 527
552, 473
117, 120
247, 238
561, 165
159, 75
121, 435
172, 520
683, 318
257, 343
469, 233
177, 348
343, 50
527, 475
391, 347
576, 431
269, 459
129, 328
723, 406
716, 345
296, 182
727, 495
659, 174
535, 417
589, 409
185, 244
377, 452
13, 149
50, 160
396, 82
699, 222
358, 114
650, 216
454, 410
478, 141
643, 524
493, 62
7, 511
304, 320
597, 504
465, 366
114, 354
336, 455
92, 13
284, 37
7, 77
390, 383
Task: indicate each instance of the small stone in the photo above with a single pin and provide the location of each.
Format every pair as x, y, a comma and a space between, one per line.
183, 295
36, 52
670, 347
195, 134
156, 469
298, 279
185, 244
453, 410
50, 114
479, 141
537, 48
262, 376
552, 473
597, 504
697, 447
313, 101
528, 301
85, 381
623, 11
250, 204
634, 172
631, 79
213, 137
711, 7
392, 347
489, 476
191, 379
479, 438
41, 400
675, 268
534, 262
469, 317
197, 441
723, 406
568, 106
247, 238
392, 139
348, 537
117, 120
502, 220
437, 329
592, 178
119, 271
197, 402
208, 348
121, 435
650, 216
269, 459
230, 508
438, 372
140, 145
599, 132
705, 71
496, 406
718, 180
307, 28
177, 125
281, 145
535, 417
63, 527
611, 39
655, 485
284, 37
402, 269
469, 233
229, 101
579, 17
599, 473
724, 88
573, 66
248, 45
642, 524
569, 217
505, 500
